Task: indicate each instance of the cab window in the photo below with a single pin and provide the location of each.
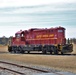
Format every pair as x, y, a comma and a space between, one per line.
22, 35
18, 35
60, 30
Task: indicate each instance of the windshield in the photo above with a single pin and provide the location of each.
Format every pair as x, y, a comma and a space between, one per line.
17, 35
60, 30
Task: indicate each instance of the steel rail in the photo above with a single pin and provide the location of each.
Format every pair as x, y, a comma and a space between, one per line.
3, 68
25, 67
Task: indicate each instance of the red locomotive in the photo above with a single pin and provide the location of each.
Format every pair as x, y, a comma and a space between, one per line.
45, 40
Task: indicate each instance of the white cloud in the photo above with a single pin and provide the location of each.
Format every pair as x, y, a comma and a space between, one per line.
70, 32
45, 15
6, 3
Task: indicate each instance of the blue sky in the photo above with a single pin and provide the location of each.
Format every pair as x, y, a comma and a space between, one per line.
18, 15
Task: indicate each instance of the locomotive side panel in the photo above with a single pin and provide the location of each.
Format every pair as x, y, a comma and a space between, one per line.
61, 36
47, 36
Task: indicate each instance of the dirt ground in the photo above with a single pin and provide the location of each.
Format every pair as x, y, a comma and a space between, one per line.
3, 49
64, 63
74, 49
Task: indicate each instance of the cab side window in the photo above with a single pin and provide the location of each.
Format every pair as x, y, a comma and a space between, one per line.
18, 35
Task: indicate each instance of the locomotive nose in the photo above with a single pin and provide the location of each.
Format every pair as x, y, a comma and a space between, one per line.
67, 48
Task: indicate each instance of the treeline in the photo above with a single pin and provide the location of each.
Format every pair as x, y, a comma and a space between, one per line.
4, 41
71, 40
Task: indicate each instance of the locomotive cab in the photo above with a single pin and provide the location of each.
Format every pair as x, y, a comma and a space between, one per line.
17, 42
17, 35
19, 38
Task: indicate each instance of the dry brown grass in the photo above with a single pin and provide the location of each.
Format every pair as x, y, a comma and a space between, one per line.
64, 63
3, 48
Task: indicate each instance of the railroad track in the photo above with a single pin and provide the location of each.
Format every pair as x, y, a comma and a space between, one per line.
20, 66
22, 73
3, 68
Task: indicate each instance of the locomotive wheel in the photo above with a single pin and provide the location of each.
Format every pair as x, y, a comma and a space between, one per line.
62, 53
13, 52
17, 52
44, 51
50, 52
56, 52
22, 52
9, 49
28, 52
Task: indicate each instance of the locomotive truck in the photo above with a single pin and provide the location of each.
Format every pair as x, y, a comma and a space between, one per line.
46, 40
